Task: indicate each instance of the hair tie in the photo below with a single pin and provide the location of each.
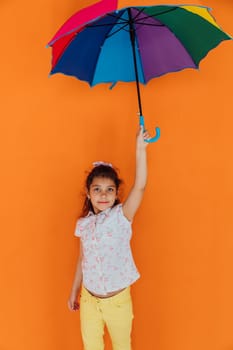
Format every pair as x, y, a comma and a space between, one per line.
98, 163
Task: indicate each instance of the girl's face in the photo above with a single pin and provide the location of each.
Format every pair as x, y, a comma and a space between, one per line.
102, 193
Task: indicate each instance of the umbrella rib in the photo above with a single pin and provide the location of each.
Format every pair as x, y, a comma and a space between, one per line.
102, 25
117, 17
117, 30
159, 14
125, 22
138, 13
150, 24
108, 24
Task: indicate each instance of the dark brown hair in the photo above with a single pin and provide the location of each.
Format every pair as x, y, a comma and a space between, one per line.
105, 171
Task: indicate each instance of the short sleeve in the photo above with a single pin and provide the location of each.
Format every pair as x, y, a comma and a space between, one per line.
120, 214
77, 231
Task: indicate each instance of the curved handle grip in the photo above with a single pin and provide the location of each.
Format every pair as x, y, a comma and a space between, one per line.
157, 131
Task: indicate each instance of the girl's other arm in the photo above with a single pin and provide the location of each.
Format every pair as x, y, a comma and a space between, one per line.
72, 302
134, 198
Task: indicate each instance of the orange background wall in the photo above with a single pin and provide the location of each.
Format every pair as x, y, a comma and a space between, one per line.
52, 129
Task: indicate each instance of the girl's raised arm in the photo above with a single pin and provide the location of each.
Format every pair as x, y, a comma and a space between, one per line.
134, 198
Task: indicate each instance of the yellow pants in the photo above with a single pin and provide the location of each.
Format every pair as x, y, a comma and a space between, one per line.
114, 312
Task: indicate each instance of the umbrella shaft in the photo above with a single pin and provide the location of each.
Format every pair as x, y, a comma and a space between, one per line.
132, 38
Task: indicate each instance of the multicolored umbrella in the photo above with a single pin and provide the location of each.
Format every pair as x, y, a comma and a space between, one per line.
138, 43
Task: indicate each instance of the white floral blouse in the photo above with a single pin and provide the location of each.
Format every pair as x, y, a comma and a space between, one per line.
107, 264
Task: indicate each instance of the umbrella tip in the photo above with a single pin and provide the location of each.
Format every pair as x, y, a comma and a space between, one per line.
113, 84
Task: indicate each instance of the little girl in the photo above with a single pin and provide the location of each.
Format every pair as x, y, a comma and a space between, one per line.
105, 268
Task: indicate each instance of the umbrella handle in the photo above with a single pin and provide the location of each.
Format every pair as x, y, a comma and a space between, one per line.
157, 130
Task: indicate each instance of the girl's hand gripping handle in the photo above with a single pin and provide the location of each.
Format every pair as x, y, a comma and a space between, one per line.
157, 130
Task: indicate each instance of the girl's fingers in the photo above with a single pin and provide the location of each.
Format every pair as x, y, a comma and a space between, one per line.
146, 135
73, 306
76, 306
143, 134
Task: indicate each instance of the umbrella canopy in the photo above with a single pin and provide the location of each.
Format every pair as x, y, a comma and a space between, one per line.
138, 43
168, 39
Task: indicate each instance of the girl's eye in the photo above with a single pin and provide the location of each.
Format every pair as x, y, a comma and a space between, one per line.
96, 189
